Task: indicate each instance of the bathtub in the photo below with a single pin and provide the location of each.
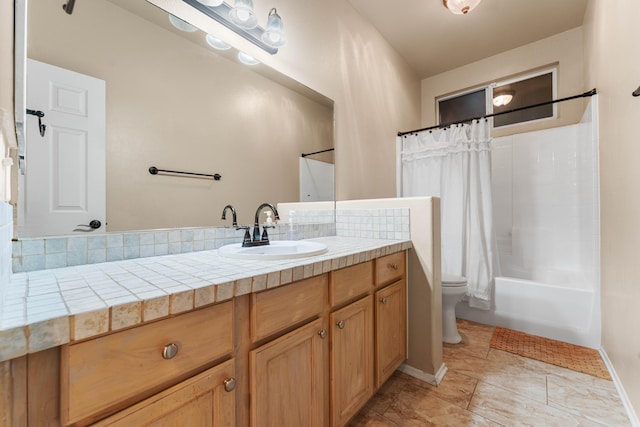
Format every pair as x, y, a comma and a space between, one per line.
551, 311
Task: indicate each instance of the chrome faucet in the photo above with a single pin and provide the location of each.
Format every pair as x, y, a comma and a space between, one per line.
261, 239
233, 213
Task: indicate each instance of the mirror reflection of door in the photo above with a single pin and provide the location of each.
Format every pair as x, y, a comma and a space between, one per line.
64, 182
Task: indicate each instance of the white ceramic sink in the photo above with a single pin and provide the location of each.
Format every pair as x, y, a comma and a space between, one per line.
278, 249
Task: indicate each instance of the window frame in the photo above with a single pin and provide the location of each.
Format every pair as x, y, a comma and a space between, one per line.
491, 87
554, 94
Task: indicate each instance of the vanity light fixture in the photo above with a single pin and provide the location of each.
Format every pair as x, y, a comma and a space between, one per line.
216, 43
241, 19
460, 7
211, 3
247, 59
274, 33
181, 25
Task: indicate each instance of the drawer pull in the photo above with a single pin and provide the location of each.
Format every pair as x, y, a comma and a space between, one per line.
229, 384
340, 324
383, 300
170, 351
393, 266
322, 333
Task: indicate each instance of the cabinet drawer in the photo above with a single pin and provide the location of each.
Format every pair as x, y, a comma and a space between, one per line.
277, 309
390, 268
351, 282
204, 399
119, 369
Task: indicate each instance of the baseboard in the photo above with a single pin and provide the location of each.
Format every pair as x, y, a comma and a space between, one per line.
631, 413
421, 375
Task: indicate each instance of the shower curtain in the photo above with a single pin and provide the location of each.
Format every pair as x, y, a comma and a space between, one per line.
455, 165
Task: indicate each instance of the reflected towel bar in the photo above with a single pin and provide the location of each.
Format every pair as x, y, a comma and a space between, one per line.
317, 152
154, 171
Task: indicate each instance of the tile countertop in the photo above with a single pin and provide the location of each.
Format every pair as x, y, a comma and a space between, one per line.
48, 308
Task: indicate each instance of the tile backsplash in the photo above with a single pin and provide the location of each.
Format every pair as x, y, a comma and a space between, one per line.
31, 254
383, 223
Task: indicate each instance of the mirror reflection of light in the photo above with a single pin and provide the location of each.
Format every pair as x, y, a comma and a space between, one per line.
502, 100
211, 3
247, 59
216, 43
181, 25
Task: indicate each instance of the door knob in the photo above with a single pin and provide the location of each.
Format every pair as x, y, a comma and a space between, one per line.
383, 300
340, 324
322, 333
93, 225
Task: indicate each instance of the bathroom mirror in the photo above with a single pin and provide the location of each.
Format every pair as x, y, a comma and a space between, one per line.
173, 102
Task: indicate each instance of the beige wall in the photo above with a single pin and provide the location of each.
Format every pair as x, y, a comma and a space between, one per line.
613, 66
564, 49
176, 105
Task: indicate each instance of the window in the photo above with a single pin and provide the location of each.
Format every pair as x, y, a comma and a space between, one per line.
460, 108
523, 91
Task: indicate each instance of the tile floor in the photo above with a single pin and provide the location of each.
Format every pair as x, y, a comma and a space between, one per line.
488, 387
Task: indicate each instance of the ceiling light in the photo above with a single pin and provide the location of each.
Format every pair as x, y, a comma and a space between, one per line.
503, 98
211, 3
247, 59
216, 43
460, 7
243, 15
274, 33
181, 25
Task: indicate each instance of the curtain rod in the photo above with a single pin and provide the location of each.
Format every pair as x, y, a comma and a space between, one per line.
444, 125
317, 152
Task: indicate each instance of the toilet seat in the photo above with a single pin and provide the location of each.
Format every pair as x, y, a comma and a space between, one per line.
449, 280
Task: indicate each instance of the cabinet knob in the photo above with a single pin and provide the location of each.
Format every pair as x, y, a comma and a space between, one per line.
393, 266
340, 324
322, 333
383, 300
229, 384
170, 351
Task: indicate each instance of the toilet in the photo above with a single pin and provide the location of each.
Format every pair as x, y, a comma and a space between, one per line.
454, 288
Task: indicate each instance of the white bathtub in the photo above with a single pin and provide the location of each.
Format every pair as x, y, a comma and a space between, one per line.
560, 313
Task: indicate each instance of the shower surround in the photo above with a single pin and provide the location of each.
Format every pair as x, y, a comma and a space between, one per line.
546, 220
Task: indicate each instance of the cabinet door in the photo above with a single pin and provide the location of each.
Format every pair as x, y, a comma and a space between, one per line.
287, 379
202, 400
391, 330
351, 359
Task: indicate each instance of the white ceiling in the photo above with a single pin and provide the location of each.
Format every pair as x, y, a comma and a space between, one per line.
433, 40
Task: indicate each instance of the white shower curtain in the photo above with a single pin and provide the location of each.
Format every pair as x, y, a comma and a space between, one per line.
455, 165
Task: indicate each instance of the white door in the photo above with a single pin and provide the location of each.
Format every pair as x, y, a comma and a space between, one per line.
64, 183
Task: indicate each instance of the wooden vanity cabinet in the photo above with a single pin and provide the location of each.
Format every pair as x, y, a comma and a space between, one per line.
310, 353
287, 379
207, 399
390, 327
390, 315
110, 373
351, 359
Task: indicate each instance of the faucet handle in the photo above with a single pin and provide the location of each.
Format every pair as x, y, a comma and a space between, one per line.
247, 235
